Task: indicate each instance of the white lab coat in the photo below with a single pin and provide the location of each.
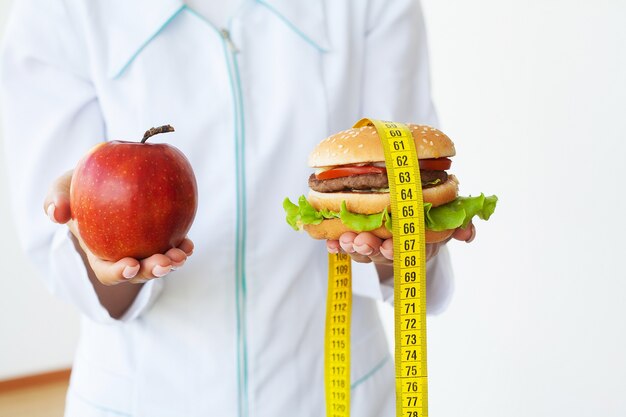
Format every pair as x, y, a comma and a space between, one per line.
238, 331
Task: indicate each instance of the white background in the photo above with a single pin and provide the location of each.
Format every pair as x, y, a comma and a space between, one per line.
534, 95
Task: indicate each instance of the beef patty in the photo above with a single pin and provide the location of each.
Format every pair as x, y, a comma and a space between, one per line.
369, 181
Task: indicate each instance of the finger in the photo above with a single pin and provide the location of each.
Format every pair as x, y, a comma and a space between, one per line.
379, 258
367, 244
386, 249
186, 246
432, 249
112, 273
356, 257
73, 226
57, 201
346, 242
177, 256
333, 246
156, 266
473, 236
467, 235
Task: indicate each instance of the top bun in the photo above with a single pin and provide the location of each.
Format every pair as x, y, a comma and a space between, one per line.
362, 145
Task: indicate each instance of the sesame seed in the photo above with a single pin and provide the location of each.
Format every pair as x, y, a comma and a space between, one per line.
360, 145
431, 143
346, 151
340, 146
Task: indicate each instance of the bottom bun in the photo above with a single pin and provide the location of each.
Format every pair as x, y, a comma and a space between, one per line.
333, 228
434, 237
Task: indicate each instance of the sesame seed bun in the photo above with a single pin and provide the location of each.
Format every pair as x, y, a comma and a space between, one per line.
362, 145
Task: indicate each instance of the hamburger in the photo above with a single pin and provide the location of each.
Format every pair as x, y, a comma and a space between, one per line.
349, 190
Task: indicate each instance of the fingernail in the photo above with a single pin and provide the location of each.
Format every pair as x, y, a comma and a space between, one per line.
472, 236
332, 250
160, 271
130, 271
364, 250
176, 265
386, 253
50, 212
347, 247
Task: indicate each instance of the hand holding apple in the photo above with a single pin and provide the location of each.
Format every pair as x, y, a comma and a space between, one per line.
125, 269
57, 206
133, 199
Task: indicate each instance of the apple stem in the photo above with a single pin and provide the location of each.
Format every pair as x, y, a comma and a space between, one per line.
155, 131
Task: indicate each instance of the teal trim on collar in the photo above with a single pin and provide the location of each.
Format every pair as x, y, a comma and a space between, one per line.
370, 373
160, 29
204, 19
309, 26
135, 31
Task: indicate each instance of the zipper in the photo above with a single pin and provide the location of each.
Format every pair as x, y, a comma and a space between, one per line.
226, 35
231, 51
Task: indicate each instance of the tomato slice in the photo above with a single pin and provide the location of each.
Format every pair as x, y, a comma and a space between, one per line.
347, 171
435, 164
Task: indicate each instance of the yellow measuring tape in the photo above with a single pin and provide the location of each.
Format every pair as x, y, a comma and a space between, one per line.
337, 342
409, 266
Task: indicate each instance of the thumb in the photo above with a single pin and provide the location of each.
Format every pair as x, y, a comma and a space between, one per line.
57, 202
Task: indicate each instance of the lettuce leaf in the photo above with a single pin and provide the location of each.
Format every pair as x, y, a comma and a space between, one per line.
292, 212
362, 222
305, 213
457, 213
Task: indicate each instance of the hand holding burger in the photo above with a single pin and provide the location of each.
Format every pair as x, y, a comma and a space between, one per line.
366, 247
349, 196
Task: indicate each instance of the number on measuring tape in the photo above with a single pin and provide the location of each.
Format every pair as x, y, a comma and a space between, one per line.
337, 339
409, 266
409, 287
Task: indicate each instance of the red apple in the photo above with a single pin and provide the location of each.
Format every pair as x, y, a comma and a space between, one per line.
133, 199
